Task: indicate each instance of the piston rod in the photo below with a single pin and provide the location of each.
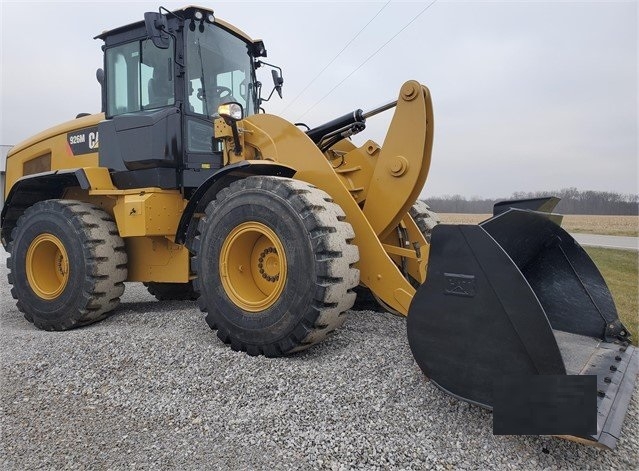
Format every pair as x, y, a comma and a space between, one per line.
358, 116
379, 109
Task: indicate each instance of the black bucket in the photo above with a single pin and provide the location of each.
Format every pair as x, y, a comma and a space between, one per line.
515, 301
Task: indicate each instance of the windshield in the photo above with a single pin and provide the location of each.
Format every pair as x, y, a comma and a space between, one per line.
219, 69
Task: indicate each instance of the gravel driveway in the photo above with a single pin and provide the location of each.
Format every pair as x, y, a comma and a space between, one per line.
152, 387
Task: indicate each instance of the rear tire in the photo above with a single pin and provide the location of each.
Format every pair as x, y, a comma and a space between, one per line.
67, 264
274, 265
425, 219
172, 291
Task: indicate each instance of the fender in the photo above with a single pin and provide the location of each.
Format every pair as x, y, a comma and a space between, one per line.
30, 189
206, 192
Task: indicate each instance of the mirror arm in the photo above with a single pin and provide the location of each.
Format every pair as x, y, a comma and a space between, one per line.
269, 97
270, 65
278, 80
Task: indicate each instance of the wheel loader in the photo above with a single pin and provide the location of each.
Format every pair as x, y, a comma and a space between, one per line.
184, 182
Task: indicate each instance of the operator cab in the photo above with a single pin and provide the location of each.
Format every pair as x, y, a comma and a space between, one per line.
163, 81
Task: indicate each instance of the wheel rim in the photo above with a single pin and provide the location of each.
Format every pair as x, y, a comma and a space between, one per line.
47, 266
253, 266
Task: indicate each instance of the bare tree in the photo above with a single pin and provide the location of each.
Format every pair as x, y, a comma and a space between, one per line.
573, 201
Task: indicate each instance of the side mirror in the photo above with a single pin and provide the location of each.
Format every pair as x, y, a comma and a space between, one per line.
99, 74
278, 81
156, 29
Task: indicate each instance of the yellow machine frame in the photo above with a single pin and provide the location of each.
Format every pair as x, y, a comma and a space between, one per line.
375, 185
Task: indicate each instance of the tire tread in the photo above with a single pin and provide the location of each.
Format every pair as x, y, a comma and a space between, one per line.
106, 258
335, 256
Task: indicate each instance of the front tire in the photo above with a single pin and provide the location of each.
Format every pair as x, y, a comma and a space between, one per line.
274, 265
67, 264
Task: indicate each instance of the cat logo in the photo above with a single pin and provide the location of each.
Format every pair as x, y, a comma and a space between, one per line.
93, 140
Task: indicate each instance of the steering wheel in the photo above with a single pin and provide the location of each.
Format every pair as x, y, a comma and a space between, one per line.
222, 93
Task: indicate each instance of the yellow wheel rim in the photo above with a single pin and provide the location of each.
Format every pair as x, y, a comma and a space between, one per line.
47, 266
253, 266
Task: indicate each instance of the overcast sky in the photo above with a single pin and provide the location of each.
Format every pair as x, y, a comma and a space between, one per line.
528, 95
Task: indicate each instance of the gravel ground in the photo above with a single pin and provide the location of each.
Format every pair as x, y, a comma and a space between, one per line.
152, 387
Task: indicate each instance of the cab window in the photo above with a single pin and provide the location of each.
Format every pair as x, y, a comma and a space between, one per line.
139, 77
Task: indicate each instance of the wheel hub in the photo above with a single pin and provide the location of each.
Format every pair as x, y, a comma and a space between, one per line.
253, 266
269, 264
47, 266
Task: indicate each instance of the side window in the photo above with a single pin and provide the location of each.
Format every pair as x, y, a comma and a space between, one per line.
139, 77
122, 68
194, 93
200, 136
156, 76
120, 92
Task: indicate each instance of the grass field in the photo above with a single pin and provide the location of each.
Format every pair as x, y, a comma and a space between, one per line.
606, 225
619, 269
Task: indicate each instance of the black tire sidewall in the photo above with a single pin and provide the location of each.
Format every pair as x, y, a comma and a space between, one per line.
295, 304
48, 313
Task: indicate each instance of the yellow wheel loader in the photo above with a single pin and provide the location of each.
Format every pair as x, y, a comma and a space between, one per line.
184, 183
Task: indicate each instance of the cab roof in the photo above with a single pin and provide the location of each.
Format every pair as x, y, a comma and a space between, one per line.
185, 12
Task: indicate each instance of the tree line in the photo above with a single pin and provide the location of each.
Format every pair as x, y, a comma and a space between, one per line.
573, 201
